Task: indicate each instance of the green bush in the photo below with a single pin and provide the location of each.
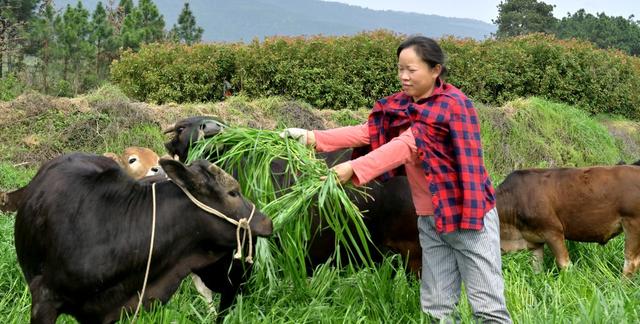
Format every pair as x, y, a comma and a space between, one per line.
350, 72
10, 87
175, 73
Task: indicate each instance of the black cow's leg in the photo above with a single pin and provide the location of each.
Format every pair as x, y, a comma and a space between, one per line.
44, 303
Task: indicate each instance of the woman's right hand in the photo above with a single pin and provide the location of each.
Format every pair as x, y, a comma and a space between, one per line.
303, 136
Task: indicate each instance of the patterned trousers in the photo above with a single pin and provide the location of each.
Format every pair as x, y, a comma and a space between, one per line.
466, 256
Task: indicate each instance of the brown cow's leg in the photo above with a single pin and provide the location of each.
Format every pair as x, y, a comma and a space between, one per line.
631, 246
556, 243
538, 257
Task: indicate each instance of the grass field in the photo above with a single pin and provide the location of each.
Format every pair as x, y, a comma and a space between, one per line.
592, 291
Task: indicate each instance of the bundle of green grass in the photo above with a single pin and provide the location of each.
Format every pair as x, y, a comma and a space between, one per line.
314, 192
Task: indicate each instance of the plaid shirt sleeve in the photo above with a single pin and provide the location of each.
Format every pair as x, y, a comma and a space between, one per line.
467, 148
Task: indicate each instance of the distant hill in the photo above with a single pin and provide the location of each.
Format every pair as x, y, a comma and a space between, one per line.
244, 20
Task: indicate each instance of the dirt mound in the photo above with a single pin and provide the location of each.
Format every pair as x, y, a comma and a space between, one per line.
35, 127
293, 114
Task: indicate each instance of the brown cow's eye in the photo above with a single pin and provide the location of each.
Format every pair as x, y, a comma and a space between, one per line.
132, 160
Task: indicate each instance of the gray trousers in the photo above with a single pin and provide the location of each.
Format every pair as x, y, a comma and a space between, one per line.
468, 256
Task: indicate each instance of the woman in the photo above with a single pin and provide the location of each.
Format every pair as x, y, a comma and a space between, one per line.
430, 131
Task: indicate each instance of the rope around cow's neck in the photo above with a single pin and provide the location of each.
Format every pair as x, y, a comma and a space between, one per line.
153, 232
242, 223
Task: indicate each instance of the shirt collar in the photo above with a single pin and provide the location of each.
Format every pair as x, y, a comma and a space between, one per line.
438, 89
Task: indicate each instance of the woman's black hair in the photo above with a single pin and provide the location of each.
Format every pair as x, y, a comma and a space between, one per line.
427, 49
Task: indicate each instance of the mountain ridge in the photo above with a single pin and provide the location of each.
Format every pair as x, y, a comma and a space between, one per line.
244, 20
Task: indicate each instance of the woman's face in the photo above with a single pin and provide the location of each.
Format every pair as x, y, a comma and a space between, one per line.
418, 79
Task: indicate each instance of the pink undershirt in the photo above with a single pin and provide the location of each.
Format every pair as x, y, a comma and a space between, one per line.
400, 150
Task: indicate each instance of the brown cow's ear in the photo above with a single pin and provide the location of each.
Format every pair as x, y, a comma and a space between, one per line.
178, 173
114, 157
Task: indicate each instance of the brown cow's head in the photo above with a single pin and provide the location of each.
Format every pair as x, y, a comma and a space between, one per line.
188, 131
217, 189
139, 162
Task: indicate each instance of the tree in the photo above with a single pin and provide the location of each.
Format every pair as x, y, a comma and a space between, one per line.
41, 41
144, 24
14, 15
102, 37
602, 30
520, 17
72, 29
126, 5
186, 30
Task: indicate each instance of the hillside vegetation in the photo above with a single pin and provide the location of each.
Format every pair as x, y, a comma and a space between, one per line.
522, 133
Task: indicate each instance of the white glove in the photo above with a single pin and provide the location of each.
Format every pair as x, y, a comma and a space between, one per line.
299, 134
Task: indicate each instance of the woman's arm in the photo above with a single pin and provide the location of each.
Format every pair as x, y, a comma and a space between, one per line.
340, 138
399, 151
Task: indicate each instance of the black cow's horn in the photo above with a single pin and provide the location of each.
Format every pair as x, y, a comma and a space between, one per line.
169, 129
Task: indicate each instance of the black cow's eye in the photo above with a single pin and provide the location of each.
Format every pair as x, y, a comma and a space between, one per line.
234, 193
180, 129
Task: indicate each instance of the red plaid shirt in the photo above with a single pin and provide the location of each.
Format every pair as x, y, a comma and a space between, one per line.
447, 132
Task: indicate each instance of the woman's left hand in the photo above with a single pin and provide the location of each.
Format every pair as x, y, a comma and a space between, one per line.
344, 171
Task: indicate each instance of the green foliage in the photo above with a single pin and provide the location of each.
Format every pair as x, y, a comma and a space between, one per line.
12, 176
10, 87
186, 30
573, 72
103, 38
175, 73
327, 72
63, 89
521, 17
142, 25
352, 72
602, 30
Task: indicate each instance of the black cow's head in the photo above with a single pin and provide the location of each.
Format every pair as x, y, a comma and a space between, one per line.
217, 189
188, 131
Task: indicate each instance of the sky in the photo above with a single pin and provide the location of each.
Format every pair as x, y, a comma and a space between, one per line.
486, 10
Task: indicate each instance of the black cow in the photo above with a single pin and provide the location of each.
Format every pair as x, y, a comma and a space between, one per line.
83, 230
390, 218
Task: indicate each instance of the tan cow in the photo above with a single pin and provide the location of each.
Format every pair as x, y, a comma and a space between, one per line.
138, 162
538, 206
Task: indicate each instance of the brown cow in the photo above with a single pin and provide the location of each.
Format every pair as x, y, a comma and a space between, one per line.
138, 162
538, 206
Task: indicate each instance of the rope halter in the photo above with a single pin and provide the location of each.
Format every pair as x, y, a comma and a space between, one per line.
242, 223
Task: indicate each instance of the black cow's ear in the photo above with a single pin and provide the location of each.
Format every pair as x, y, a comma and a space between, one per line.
178, 173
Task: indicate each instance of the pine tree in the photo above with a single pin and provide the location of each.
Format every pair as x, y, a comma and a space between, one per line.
14, 16
144, 24
186, 30
72, 29
103, 39
41, 41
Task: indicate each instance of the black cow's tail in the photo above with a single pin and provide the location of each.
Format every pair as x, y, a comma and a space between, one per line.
9, 201
3, 201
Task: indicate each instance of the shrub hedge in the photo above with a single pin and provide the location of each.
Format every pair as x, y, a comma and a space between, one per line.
353, 71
